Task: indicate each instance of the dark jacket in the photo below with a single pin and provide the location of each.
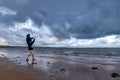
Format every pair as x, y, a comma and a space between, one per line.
30, 42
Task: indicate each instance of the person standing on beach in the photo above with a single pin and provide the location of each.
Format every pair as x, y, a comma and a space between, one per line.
30, 41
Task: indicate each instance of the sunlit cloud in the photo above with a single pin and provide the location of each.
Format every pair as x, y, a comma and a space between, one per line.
7, 11
3, 41
45, 37
42, 34
26, 25
107, 41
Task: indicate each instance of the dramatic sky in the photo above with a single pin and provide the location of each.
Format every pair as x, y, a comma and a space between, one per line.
61, 23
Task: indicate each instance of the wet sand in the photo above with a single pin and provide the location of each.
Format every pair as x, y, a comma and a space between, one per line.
12, 71
59, 70
55, 67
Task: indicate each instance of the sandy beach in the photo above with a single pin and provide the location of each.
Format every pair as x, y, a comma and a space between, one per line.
52, 67
12, 71
59, 70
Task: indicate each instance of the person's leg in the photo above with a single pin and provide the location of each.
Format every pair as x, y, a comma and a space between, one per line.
33, 59
29, 54
32, 53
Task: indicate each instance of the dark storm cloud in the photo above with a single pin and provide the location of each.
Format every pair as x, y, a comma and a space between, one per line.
26, 10
86, 18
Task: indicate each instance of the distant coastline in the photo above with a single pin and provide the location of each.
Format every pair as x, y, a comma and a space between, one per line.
11, 46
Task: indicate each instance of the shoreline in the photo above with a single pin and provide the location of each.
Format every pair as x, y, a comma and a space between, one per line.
24, 46
54, 67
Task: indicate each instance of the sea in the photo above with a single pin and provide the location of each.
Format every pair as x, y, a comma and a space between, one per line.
96, 55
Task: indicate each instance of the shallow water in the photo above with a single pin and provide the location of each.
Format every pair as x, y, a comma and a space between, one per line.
43, 56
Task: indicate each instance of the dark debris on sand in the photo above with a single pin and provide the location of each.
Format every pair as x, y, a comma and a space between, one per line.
95, 68
115, 75
62, 69
48, 62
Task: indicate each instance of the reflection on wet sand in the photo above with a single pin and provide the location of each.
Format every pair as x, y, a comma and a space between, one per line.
30, 64
61, 67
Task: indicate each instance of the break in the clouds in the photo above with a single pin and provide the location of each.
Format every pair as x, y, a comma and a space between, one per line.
76, 23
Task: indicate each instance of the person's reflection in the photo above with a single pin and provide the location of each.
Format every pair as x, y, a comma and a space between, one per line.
30, 64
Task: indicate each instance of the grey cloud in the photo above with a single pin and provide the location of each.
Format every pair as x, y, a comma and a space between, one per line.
98, 17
